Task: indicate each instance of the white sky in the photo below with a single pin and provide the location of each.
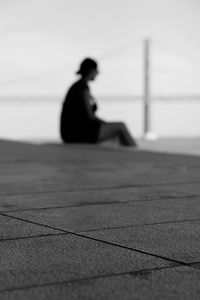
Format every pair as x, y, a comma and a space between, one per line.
43, 41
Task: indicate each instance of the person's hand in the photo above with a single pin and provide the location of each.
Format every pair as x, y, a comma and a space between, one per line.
94, 107
93, 104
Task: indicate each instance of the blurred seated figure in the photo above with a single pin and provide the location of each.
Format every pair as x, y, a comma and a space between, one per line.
79, 123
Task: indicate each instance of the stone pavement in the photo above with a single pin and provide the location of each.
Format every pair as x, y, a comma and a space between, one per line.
91, 222
181, 145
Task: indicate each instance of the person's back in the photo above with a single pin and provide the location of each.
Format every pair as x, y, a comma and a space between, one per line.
78, 121
73, 106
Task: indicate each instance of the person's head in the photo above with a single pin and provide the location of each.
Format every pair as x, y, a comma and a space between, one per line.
88, 69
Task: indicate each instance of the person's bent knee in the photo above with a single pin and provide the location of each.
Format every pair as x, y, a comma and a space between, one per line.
122, 126
119, 125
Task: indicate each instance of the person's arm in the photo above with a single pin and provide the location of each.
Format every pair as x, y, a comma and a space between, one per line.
87, 104
93, 104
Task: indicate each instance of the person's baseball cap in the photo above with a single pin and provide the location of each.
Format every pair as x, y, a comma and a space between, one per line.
86, 65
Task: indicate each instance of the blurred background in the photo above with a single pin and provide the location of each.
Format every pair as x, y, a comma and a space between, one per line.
44, 41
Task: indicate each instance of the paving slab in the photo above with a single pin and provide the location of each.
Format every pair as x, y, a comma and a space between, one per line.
179, 283
50, 259
191, 188
23, 152
184, 145
196, 265
178, 241
28, 169
12, 228
97, 196
92, 217
36, 177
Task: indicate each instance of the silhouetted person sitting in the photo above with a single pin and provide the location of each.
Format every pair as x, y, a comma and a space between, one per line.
79, 124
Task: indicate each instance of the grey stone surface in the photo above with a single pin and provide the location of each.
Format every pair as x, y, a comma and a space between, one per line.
191, 188
114, 215
180, 283
179, 145
37, 177
179, 241
29, 169
196, 265
99, 196
44, 260
89, 188
13, 228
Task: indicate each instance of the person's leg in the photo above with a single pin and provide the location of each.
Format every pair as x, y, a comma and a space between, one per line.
116, 129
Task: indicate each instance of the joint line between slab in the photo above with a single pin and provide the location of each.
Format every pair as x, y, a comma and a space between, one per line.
101, 241
103, 188
31, 236
140, 225
131, 273
101, 203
